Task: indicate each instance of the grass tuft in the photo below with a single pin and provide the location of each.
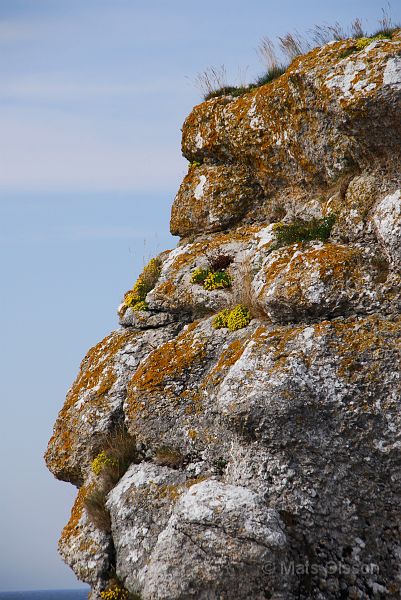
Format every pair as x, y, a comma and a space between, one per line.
120, 451
303, 231
213, 81
95, 505
168, 457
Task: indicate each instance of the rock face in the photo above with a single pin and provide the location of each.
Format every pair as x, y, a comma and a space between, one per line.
268, 459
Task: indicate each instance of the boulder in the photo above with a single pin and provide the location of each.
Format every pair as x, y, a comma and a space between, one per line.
267, 455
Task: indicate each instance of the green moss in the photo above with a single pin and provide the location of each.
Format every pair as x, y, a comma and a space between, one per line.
220, 465
303, 231
194, 164
234, 319
146, 281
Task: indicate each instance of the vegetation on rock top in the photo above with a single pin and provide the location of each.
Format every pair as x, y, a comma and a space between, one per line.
213, 81
146, 281
303, 231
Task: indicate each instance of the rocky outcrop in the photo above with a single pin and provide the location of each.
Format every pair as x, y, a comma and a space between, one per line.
267, 456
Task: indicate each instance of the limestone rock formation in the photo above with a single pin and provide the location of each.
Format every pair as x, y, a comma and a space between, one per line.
252, 453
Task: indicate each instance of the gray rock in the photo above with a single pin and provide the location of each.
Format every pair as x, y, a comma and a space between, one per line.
218, 543
270, 455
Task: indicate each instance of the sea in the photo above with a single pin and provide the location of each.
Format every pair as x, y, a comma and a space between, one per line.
46, 595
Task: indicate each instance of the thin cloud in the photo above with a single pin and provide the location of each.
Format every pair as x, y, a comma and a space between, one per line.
42, 151
51, 90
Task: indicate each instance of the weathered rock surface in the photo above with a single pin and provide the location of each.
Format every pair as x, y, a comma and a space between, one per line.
270, 461
303, 283
85, 548
205, 201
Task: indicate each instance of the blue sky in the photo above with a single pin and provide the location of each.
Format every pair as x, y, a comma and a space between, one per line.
92, 97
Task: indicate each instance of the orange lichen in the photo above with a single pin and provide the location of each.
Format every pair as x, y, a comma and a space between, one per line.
96, 368
228, 357
97, 377
168, 361
220, 205
72, 529
162, 370
193, 434
278, 341
370, 336
212, 243
294, 270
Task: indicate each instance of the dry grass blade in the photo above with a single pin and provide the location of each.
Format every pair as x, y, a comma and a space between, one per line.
242, 291
267, 52
122, 448
95, 505
386, 21
357, 31
121, 451
211, 80
168, 457
323, 34
293, 45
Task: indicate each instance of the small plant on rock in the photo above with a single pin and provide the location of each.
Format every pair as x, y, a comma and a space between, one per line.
234, 319
220, 464
217, 280
221, 319
115, 592
199, 275
194, 164
101, 461
120, 451
146, 281
303, 231
215, 276
95, 505
362, 42
219, 262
